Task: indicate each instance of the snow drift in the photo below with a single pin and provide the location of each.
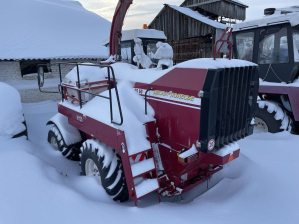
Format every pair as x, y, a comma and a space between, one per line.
46, 29
11, 115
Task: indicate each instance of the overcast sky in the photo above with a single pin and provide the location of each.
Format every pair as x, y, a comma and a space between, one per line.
142, 12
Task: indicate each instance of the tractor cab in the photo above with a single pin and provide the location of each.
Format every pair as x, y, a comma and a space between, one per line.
149, 38
271, 42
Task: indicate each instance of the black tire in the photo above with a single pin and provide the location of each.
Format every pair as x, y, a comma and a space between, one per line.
70, 152
115, 184
273, 125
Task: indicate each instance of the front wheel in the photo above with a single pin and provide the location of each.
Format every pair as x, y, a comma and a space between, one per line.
56, 139
270, 117
104, 164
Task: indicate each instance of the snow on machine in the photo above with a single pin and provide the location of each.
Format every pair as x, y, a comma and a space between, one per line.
272, 42
12, 120
153, 130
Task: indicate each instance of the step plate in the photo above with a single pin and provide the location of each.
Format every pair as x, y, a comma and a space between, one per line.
146, 186
143, 167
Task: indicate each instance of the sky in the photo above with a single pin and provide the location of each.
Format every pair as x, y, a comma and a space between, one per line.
143, 12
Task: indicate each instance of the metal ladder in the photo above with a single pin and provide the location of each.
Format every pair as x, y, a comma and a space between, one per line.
145, 168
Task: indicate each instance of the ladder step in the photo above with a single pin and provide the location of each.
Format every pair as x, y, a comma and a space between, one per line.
142, 167
136, 153
146, 187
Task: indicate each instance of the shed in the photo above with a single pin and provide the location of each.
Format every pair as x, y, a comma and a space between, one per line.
193, 27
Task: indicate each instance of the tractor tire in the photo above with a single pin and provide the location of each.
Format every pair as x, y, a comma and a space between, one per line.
56, 139
271, 117
104, 163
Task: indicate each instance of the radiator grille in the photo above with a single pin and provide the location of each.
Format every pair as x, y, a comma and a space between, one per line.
228, 105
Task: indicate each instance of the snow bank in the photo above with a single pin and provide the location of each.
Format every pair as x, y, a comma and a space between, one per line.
132, 105
11, 115
87, 74
46, 29
43, 187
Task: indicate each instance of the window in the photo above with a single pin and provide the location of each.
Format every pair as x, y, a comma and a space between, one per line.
126, 52
151, 49
296, 44
30, 66
245, 42
273, 46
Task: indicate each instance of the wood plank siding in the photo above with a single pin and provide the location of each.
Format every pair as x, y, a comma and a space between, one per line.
224, 8
178, 26
189, 38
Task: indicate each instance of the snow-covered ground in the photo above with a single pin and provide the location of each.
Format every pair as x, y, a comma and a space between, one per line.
38, 185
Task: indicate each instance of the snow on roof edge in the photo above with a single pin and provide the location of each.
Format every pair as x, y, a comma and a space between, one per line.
57, 58
292, 18
197, 16
140, 33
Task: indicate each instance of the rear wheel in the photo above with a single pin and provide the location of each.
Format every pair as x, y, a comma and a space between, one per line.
270, 117
56, 140
102, 162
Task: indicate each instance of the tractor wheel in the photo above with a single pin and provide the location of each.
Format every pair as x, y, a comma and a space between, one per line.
104, 163
56, 139
270, 117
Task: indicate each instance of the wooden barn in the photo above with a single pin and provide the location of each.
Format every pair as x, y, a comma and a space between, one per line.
192, 28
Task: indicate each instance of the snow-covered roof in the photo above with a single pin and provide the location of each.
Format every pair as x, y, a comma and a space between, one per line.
292, 18
50, 29
237, 1
196, 15
139, 33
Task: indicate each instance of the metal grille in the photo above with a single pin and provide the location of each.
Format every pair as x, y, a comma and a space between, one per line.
229, 105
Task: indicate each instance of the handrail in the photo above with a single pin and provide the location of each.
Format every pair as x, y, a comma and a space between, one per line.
145, 99
110, 72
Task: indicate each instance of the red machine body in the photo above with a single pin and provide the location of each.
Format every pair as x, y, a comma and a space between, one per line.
197, 112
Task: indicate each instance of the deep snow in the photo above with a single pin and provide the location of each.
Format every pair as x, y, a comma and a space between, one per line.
46, 29
38, 185
11, 115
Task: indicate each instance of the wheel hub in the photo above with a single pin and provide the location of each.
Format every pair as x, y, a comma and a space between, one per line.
91, 169
259, 123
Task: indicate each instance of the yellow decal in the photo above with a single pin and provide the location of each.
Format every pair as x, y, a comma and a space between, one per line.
174, 95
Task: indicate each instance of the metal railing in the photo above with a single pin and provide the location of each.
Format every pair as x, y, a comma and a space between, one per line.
110, 72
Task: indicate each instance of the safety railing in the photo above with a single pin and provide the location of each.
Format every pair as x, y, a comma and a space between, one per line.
62, 86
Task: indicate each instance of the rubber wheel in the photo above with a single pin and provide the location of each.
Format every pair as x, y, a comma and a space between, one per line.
56, 139
264, 117
107, 167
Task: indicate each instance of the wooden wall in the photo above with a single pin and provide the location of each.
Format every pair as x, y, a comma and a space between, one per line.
222, 8
178, 26
191, 48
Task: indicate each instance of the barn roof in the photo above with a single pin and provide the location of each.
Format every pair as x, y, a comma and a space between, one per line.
50, 29
197, 16
237, 2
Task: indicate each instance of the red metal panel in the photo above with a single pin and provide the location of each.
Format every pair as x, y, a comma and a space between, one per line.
291, 91
187, 79
92, 127
177, 123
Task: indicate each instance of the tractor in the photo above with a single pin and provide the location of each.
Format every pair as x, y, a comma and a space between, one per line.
141, 131
272, 42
